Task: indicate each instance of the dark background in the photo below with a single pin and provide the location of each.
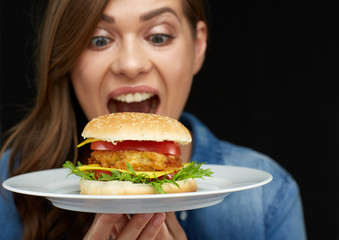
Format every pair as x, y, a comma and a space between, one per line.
269, 83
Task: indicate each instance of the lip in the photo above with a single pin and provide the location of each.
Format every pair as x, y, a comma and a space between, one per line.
133, 89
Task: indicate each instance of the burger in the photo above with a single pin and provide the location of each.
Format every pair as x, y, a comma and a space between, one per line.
136, 153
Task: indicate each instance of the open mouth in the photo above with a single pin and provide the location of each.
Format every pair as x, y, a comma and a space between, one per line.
134, 102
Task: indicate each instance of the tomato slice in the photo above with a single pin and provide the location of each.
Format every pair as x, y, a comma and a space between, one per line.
166, 147
98, 173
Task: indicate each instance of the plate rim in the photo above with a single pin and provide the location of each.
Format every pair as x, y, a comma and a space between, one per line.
268, 178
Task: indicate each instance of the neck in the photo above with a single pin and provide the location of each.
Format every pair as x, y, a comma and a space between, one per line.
186, 152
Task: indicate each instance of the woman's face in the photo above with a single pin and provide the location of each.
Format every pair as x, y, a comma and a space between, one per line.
141, 58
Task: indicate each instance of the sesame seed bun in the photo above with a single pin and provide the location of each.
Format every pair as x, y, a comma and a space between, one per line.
136, 126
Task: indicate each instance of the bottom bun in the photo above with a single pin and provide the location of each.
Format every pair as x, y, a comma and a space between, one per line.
91, 187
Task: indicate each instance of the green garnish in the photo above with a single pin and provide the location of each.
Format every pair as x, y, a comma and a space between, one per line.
193, 170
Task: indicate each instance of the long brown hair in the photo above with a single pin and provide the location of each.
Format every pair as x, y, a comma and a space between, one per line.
48, 136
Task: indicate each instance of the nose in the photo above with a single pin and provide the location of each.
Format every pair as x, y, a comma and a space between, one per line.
131, 60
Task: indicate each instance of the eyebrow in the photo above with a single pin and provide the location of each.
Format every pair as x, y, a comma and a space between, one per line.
145, 17
156, 12
107, 18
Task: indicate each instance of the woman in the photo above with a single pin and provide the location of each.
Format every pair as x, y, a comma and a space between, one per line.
106, 56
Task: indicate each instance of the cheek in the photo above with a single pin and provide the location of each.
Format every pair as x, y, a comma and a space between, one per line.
81, 90
86, 71
178, 65
86, 79
178, 71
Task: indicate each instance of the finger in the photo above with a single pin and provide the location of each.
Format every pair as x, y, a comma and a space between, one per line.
174, 227
135, 226
120, 224
102, 226
163, 233
153, 227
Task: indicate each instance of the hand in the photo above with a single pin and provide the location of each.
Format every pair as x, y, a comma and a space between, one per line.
139, 226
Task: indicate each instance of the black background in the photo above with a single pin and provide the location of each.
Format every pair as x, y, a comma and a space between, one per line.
269, 82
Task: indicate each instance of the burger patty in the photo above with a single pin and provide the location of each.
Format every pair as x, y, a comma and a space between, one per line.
139, 160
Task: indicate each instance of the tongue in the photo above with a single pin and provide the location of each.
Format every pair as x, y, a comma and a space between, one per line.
144, 106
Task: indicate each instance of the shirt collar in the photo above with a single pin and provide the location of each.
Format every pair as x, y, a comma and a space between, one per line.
205, 143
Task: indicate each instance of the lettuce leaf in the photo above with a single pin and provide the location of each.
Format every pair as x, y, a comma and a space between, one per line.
192, 170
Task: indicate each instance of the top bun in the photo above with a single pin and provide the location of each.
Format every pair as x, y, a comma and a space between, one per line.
136, 126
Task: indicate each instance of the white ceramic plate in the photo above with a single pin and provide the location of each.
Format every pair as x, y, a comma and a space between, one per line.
63, 191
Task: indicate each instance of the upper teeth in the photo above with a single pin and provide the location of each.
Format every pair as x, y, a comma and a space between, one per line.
134, 97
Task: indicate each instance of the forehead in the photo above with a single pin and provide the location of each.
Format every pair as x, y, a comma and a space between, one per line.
142, 9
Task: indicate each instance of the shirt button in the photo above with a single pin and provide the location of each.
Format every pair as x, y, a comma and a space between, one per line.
183, 215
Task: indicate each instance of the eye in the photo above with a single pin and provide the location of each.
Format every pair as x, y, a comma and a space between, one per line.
160, 39
100, 42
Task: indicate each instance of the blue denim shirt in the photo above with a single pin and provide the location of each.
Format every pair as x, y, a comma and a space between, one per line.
10, 222
271, 212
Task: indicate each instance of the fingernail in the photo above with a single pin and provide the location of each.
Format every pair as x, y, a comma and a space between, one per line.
158, 219
114, 216
147, 215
